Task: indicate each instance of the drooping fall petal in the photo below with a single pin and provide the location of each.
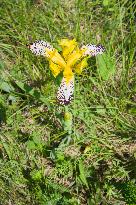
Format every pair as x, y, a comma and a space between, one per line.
65, 91
92, 50
39, 48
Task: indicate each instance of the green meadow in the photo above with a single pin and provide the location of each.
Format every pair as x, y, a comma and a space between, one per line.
40, 162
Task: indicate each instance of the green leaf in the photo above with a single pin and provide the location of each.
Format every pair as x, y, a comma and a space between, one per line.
7, 48
31, 145
135, 155
105, 2
36, 175
100, 110
37, 139
1, 65
32, 92
105, 65
132, 110
12, 98
60, 156
82, 173
8, 150
4, 86
28, 89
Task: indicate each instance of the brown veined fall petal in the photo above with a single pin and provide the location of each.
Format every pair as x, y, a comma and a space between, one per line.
39, 48
65, 91
92, 50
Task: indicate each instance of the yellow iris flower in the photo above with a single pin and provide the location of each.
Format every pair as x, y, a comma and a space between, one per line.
72, 58
71, 61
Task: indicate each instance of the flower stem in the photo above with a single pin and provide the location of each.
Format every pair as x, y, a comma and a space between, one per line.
68, 121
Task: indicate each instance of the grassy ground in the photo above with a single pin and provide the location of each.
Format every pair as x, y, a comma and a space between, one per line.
37, 165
